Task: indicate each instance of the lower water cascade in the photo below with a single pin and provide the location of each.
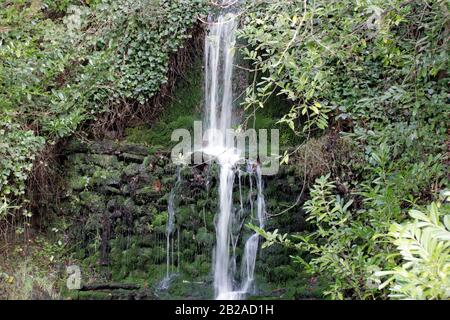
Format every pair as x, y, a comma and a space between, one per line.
251, 246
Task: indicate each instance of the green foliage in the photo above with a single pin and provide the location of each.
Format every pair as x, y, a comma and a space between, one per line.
377, 72
28, 282
17, 153
424, 245
341, 245
139, 44
35, 56
65, 62
18, 148
365, 60
32, 271
350, 244
267, 118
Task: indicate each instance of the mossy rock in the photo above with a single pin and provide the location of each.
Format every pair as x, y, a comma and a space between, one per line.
131, 157
186, 173
125, 190
129, 205
147, 195
170, 169
104, 146
94, 201
77, 160
142, 226
105, 161
76, 146
107, 177
90, 295
159, 221
131, 170
158, 170
108, 190
116, 203
168, 180
204, 237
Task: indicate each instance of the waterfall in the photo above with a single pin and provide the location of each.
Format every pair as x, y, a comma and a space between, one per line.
219, 55
219, 58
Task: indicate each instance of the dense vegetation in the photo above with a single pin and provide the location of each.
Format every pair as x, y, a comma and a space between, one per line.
376, 73
65, 63
369, 78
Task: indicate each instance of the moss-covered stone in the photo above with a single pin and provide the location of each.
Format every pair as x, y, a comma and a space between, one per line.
108, 190
119, 193
136, 149
146, 194
131, 170
131, 157
106, 177
103, 146
204, 237
94, 201
105, 161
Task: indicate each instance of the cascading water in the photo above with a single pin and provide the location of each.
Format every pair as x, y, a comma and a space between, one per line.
169, 233
219, 58
251, 245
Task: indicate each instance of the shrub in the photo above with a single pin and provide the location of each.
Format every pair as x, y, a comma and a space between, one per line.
424, 246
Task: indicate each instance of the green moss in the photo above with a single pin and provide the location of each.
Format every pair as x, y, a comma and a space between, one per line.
78, 183
160, 219
131, 170
131, 157
146, 195
106, 177
93, 201
199, 267
103, 160
137, 248
204, 237
91, 295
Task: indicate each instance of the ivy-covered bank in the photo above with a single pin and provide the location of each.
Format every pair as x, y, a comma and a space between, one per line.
68, 64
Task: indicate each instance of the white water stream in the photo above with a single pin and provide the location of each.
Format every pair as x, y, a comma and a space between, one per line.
219, 58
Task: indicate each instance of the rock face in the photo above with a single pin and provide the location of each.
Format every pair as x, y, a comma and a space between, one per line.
116, 201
